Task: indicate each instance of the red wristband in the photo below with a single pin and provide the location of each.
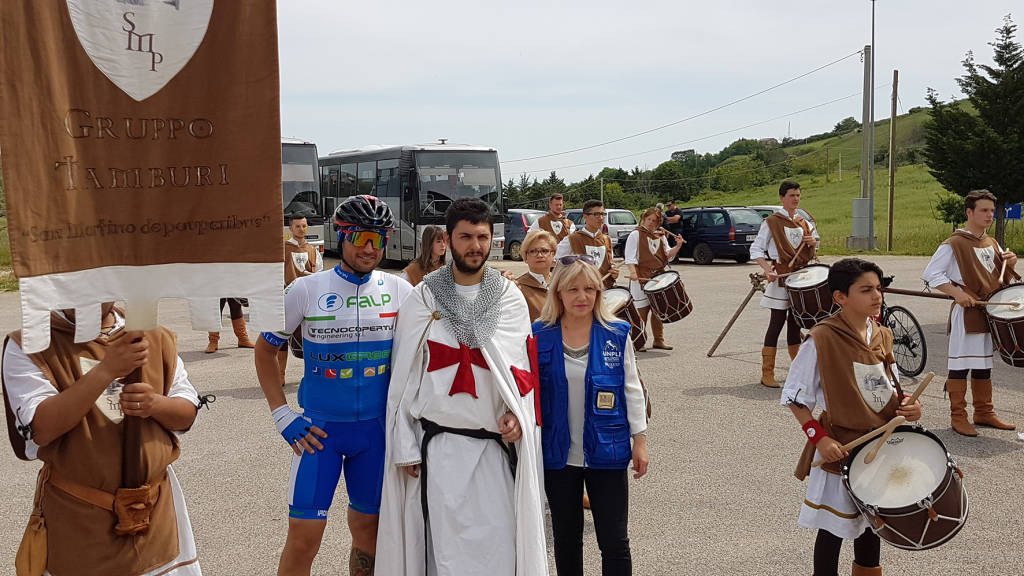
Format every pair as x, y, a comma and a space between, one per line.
815, 432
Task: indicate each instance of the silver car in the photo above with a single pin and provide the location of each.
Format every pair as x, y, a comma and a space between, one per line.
618, 223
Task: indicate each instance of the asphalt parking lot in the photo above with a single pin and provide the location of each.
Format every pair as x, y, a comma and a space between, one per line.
720, 497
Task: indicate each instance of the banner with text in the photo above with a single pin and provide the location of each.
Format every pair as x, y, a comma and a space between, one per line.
141, 157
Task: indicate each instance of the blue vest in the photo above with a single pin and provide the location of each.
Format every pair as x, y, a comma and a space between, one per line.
606, 438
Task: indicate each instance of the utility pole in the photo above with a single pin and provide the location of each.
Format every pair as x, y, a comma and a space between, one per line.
826, 164
840, 165
602, 190
862, 233
892, 154
871, 177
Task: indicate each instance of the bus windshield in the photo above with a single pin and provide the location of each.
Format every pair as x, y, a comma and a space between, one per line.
445, 176
298, 180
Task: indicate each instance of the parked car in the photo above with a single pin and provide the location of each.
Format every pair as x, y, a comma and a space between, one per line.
719, 232
517, 224
618, 223
766, 211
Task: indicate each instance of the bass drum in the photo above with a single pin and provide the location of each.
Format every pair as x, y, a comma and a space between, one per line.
810, 300
619, 302
1006, 324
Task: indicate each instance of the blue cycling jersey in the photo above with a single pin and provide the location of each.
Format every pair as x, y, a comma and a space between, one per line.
347, 328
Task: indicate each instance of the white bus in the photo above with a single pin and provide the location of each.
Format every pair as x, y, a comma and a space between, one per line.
300, 188
418, 182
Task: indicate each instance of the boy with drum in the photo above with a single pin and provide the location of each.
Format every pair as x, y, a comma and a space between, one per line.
785, 242
846, 367
969, 266
647, 253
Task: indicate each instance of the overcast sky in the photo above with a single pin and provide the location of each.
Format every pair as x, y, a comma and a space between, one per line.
532, 78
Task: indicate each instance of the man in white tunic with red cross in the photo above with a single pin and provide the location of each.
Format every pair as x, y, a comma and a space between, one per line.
462, 487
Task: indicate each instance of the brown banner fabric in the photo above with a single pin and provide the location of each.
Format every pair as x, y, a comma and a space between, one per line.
142, 133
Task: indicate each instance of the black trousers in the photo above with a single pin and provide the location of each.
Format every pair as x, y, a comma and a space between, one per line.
609, 502
234, 307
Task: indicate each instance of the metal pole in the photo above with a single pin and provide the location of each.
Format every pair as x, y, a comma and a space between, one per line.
602, 190
871, 187
892, 154
827, 157
865, 142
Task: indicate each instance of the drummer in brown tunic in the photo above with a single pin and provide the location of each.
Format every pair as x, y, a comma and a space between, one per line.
539, 252
783, 236
432, 255
554, 221
66, 406
592, 240
846, 368
647, 253
968, 266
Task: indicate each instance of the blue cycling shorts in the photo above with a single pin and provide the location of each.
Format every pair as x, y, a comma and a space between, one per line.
353, 448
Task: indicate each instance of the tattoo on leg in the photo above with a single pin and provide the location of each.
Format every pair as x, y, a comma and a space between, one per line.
360, 563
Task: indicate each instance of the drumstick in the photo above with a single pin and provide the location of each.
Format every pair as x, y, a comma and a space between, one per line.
615, 267
920, 387
853, 444
798, 251
991, 303
890, 427
1002, 272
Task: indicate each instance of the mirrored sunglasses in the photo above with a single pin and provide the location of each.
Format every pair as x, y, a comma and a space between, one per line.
360, 237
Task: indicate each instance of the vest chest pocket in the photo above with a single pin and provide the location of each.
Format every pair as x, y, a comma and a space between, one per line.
606, 397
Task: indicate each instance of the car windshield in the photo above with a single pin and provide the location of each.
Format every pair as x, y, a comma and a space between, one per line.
745, 216
621, 218
531, 217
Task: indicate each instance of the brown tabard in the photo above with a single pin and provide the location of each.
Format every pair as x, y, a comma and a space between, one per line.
973, 256
578, 242
778, 224
852, 393
295, 255
415, 272
81, 539
544, 223
650, 264
534, 293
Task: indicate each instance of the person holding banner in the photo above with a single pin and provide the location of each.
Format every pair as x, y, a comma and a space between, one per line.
785, 242
347, 318
65, 406
462, 480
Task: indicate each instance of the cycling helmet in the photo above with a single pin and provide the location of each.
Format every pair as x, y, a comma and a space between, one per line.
364, 211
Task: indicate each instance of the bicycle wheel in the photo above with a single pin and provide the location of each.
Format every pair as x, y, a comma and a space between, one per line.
908, 346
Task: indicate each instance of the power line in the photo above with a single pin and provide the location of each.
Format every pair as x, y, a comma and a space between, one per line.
705, 113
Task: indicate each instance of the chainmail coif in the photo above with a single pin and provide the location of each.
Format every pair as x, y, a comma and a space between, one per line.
473, 321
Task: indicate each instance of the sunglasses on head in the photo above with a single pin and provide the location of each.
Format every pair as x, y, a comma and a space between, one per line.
361, 237
569, 259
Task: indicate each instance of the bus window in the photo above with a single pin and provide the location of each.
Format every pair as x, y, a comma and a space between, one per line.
387, 179
347, 183
367, 178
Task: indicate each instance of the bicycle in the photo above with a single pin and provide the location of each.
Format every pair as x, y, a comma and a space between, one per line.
908, 342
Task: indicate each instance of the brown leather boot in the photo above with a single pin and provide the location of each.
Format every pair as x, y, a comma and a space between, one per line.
658, 330
957, 389
793, 349
243, 338
768, 367
214, 341
282, 359
984, 412
859, 570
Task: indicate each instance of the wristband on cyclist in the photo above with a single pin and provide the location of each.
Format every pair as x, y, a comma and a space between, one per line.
815, 432
290, 424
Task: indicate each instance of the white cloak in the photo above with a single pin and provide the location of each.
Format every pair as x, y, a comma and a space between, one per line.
400, 539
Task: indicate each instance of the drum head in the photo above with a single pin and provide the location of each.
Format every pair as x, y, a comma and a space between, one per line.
808, 276
1013, 293
662, 280
906, 470
616, 298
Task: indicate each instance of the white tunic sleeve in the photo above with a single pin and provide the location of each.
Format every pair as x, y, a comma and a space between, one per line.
632, 252
535, 225
572, 226
759, 249
636, 405
942, 268
803, 385
563, 248
319, 261
181, 387
27, 388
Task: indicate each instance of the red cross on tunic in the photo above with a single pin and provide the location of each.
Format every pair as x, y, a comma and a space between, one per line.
443, 356
527, 381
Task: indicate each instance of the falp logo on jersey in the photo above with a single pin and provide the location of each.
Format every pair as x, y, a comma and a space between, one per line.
330, 302
369, 372
345, 373
330, 373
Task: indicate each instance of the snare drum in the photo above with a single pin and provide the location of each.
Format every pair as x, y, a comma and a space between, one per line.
620, 302
668, 298
1006, 323
809, 297
912, 493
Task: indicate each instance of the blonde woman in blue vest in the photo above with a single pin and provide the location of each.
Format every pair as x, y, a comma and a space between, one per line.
593, 420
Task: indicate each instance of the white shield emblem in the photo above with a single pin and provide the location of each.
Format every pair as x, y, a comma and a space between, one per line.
556, 227
109, 402
597, 252
299, 259
794, 236
140, 44
654, 244
987, 257
874, 385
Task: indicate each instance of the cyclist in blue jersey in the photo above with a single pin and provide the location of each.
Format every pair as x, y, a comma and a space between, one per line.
347, 317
